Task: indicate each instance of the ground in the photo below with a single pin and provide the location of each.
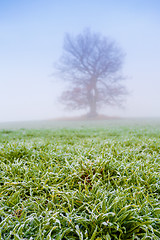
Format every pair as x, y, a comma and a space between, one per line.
80, 180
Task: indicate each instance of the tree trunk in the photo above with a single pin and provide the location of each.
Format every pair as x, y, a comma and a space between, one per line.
92, 103
93, 112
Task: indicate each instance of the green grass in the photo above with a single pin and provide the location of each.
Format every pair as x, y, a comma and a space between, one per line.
99, 183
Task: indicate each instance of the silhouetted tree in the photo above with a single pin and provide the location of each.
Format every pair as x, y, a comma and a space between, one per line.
92, 64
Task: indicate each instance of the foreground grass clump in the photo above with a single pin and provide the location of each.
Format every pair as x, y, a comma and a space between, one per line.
80, 184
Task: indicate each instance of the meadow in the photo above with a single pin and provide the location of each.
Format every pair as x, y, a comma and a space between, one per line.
88, 182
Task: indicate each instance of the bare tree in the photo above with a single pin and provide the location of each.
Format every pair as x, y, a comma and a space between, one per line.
92, 64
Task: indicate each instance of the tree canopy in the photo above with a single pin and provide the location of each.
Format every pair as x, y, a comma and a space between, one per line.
91, 63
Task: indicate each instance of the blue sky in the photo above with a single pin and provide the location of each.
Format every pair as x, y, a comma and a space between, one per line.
31, 40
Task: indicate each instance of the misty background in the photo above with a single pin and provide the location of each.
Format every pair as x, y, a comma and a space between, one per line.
31, 42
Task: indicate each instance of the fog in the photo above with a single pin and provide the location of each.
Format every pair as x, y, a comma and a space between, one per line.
31, 41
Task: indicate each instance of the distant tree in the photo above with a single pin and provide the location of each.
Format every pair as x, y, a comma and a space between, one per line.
91, 64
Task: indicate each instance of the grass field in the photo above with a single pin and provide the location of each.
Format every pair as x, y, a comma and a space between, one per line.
82, 183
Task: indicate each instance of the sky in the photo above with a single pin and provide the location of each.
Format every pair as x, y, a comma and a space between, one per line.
31, 42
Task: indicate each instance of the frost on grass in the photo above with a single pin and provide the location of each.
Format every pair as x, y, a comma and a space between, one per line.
80, 184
